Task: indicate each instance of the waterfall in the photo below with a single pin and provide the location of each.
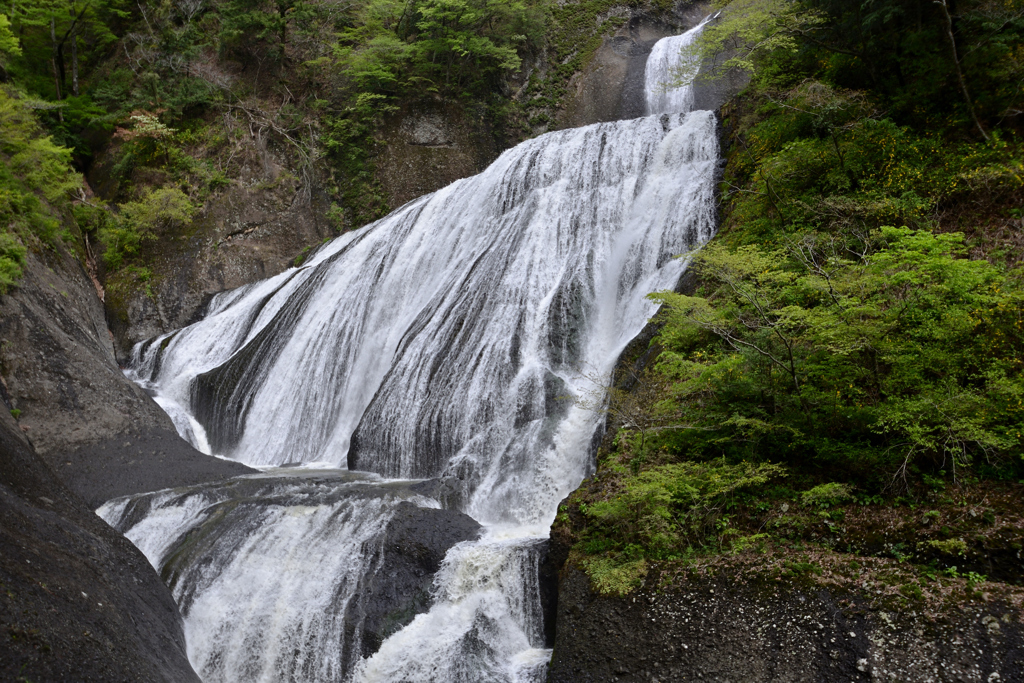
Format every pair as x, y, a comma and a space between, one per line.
271, 571
463, 338
666, 64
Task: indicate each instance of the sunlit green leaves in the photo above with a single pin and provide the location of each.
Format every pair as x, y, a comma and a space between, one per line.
902, 348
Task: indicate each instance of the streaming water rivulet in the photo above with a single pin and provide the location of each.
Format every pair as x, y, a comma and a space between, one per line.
464, 337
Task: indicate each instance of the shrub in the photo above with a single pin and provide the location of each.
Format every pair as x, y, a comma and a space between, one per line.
827, 495
140, 220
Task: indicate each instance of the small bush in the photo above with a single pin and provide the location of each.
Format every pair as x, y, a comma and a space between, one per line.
953, 546
667, 508
827, 495
140, 220
614, 577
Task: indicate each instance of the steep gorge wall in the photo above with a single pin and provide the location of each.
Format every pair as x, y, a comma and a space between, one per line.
740, 623
100, 432
77, 600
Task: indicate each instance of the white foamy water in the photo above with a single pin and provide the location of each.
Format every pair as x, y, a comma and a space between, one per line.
664, 66
449, 340
484, 625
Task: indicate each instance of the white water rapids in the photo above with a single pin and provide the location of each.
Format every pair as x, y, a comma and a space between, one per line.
463, 337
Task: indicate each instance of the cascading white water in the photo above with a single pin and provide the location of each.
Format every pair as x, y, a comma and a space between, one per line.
664, 66
264, 568
451, 339
484, 624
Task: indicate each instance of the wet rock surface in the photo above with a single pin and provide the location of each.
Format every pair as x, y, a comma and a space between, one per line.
78, 602
416, 540
611, 87
102, 434
137, 462
726, 630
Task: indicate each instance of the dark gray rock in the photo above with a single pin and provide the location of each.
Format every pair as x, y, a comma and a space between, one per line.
611, 87
416, 541
57, 360
137, 462
728, 630
101, 433
431, 144
78, 602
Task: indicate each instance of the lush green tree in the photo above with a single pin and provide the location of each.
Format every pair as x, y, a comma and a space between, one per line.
8, 42
870, 357
142, 220
35, 182
59, 38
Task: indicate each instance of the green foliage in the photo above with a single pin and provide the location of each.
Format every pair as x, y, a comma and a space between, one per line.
863, 356
794, 568
613, 576
8, 42
666, 509
141, 220
952, 546
826, 495
820, 159
35, 180
440, 45
390, 50
746, 32
255, 28
900, 51
12, 258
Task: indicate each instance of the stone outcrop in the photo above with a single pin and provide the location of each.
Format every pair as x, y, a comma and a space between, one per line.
730, 628
102, 434
78, 602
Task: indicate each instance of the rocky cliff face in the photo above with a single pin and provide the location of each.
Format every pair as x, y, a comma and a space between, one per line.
253, 229
78, 601
431, 144
738, 622
58, 360
100, 432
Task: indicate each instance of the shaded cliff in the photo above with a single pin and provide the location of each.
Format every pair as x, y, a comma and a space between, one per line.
741, 620
77, 600
100, 432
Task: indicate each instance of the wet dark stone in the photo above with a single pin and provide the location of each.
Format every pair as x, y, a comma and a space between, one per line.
78, 602
137, 462
415, 543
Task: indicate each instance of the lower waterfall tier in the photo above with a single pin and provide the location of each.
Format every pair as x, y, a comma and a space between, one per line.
299, 576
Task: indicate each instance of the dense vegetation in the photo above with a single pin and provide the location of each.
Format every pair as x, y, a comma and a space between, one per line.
161, 96
856, 333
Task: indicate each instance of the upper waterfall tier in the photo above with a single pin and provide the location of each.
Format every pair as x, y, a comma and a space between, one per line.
450, 337
667, 64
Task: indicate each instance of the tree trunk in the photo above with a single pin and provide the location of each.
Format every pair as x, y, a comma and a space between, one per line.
959, 71
53, 59
74, 65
